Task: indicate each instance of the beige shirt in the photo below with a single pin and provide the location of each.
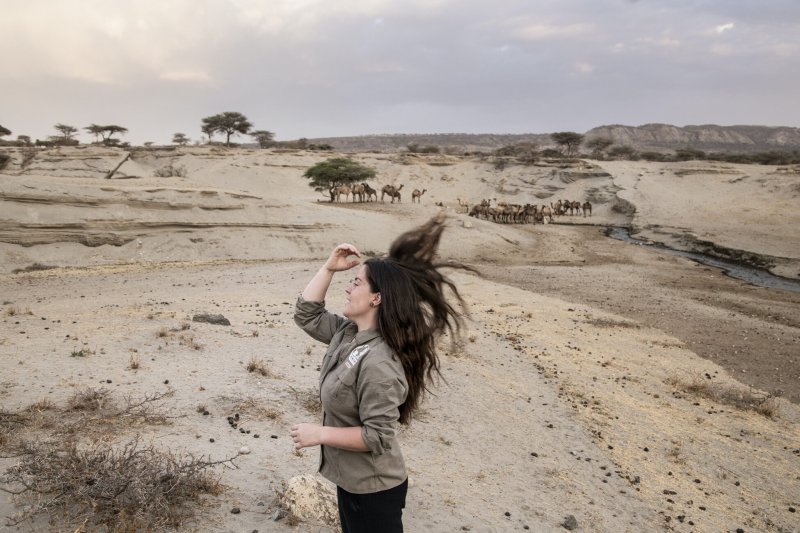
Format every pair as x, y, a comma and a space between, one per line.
361, 384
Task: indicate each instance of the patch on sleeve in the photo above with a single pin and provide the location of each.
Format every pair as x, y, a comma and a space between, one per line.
357, 353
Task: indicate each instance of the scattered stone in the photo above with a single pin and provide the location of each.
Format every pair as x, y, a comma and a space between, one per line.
217, 320
236, 510
256, 435
792, 510
309, 498
244, 450
166, 382
206, 413
279, 514
210, 440
569, 523
507, 513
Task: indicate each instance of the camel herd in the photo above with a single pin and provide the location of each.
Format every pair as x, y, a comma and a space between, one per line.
501, 212
362, 192
524, 214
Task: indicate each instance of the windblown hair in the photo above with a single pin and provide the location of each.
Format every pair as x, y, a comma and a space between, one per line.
414, 309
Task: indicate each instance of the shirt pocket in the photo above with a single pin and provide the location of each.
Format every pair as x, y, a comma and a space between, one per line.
344, 391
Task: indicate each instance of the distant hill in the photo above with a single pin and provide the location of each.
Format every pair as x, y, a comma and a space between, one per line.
709, 137
656, 137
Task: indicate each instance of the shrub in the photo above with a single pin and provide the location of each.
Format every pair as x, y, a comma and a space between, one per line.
170, 171
4, 159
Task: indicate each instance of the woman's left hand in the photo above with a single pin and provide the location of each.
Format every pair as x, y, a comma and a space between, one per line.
305, 435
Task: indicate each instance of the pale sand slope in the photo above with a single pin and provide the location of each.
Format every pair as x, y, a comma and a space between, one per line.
750, 208
599, 380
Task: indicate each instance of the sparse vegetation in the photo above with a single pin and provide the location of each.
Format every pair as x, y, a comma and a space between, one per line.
735, 396
33, 268
170, 171
83, 352
128, 487
258, 366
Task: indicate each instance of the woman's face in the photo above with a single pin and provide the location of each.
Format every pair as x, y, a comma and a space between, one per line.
358, 295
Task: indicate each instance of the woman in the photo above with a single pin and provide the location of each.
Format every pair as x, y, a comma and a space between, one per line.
381, 356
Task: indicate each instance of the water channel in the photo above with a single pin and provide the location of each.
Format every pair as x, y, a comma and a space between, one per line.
754, 276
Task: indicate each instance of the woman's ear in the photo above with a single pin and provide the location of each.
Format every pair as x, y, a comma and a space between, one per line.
376, 299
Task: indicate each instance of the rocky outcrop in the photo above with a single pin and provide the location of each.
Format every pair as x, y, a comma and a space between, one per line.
706, 137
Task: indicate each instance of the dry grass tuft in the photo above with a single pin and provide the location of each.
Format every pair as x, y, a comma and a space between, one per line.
133, 362
309, 399
258, 366
45, 404
257, 409
13, 310
90, 399
745, 399
129, 487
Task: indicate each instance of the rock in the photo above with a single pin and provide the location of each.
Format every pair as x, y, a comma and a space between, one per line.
236, 510
217, 320
309, 498
279, 514
244, 450
569, 523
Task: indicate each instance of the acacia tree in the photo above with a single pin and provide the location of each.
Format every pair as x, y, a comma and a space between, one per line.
67, 132
24, 139
328, 174
598, 145
228, 123
106, 132
180, 138
263, 137
4, 131
569, 141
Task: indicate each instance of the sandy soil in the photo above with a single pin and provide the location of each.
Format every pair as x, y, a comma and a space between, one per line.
565, 398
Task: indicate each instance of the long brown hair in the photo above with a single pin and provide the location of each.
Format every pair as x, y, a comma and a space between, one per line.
414, 310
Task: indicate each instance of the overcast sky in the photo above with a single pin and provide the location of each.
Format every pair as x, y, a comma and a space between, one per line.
314, 68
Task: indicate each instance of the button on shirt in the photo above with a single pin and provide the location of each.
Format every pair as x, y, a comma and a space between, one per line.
361, 384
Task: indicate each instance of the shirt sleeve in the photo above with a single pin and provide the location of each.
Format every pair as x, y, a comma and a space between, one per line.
381, 392
314, 319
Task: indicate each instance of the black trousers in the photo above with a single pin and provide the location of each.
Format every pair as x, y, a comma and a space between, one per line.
377, 512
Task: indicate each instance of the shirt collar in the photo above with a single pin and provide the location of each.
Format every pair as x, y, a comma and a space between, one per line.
367, 335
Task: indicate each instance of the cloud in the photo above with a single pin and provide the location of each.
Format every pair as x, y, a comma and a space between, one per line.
584, 68
536, 32
724, 27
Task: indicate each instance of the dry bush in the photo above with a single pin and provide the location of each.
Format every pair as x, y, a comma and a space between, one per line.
170, 171
133, 362
258, 366
90, 399
745, 399
130, 487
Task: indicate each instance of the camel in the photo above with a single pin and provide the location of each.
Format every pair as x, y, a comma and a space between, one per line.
417, 194
587, 206
370, 192
342, 189
576, 206
547, 214
392, 191
358, 190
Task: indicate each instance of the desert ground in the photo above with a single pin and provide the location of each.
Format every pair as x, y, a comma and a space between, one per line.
599, 385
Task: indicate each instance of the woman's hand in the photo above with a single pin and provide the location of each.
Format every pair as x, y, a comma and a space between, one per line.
338, 260
305, 435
